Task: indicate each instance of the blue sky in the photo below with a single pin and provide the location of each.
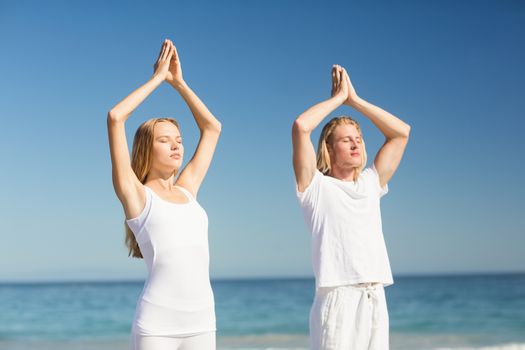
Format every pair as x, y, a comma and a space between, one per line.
453, 70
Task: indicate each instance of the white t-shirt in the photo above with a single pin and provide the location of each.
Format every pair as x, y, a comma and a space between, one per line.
344, 218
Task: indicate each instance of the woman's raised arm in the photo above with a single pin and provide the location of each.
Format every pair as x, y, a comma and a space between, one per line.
194, 172
126, 184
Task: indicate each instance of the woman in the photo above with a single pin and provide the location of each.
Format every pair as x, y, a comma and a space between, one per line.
340, 200
165, 224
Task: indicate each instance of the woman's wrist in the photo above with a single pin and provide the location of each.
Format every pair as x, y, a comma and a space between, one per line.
157, 79
179, 85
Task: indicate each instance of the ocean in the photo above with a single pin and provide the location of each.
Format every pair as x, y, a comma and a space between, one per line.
426, 312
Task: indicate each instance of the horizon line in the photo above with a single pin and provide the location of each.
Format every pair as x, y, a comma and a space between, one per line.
257, 278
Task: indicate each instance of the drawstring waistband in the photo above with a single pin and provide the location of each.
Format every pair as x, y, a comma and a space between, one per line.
369, 291
368, 296
349, 317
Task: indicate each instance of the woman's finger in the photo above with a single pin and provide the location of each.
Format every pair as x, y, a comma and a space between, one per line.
165, 54
170, 53
166, 50
173, 51
161, 49
175, 54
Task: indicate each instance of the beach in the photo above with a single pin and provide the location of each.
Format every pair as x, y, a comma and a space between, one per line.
264, 342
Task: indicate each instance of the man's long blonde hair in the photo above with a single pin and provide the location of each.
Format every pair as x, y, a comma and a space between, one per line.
323, 157
141, 165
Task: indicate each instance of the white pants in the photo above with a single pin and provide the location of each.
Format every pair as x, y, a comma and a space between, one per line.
352, 317
200, 341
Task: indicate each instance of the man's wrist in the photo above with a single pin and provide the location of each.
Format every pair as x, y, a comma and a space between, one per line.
339, 99
356, 102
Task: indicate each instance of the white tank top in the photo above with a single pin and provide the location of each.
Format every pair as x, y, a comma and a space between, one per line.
177, 297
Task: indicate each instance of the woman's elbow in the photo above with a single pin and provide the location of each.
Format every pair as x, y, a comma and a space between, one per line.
115, 117
407, 130
112, 116
298, 127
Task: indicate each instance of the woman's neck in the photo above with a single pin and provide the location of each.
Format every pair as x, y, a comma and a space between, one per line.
160, 180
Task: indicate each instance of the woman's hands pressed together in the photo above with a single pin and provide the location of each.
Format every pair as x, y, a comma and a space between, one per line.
174, 76
168, 66
161, 67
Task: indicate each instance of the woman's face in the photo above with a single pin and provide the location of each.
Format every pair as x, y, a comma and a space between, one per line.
345, 147
168, 150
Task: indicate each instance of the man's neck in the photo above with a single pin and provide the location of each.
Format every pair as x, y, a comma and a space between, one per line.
343, 174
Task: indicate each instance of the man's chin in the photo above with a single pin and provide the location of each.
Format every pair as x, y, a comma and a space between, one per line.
350, 166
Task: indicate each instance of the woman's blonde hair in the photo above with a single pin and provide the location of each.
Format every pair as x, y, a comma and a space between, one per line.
141, 165
323, 157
